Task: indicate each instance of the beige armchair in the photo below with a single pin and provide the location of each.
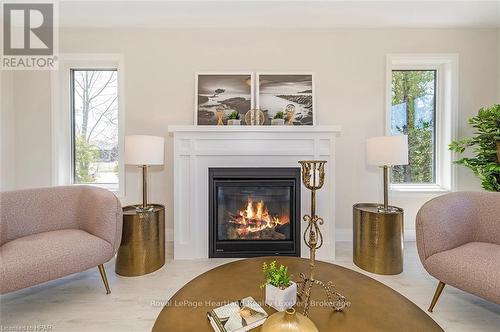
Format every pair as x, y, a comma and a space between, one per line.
48, 233
458, 241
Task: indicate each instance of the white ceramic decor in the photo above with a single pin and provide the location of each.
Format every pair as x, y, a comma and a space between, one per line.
281, 299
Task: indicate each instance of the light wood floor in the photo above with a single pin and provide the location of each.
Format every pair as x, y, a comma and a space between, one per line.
79, 303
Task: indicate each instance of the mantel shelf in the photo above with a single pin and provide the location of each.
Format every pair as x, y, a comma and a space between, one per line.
266, 129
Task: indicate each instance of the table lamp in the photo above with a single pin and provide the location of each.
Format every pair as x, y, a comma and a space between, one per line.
144, 151
387, 151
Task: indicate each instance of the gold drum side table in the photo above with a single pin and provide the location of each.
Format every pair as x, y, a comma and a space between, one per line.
142, 249
378, 239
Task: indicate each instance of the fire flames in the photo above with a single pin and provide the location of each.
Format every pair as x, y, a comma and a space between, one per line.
255, 217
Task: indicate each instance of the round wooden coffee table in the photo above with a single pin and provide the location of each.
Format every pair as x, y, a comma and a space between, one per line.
375, 307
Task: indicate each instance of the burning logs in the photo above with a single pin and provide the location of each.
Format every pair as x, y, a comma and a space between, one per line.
255, 223
238, 233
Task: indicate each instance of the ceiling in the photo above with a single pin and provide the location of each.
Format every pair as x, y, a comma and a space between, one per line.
286, 14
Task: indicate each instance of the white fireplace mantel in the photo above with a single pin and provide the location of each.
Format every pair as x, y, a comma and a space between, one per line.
198, 148
254, 129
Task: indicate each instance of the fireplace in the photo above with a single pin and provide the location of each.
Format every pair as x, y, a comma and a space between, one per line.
254, 212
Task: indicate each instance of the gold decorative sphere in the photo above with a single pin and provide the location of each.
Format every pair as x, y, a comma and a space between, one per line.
254, 117
288, 321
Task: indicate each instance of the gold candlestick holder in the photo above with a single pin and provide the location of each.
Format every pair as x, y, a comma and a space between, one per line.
313, 177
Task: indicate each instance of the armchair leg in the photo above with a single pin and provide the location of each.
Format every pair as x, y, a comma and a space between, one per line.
438, 292
104, 278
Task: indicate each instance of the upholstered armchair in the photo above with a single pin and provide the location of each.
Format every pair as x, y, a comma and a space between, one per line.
458, 241
48, 233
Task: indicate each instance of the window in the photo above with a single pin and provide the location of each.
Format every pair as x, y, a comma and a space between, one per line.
88, 120
421, 103
413, 113
94, 116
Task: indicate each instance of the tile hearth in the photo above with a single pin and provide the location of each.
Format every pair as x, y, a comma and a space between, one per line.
79, 303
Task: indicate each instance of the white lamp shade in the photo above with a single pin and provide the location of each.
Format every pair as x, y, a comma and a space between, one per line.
387, 150
144, 150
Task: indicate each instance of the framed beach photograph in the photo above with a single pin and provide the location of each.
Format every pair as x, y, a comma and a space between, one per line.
290, 93
218, 95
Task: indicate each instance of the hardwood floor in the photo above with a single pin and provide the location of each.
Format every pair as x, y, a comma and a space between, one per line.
79, 302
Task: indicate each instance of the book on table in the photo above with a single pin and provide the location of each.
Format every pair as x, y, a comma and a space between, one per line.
237, 316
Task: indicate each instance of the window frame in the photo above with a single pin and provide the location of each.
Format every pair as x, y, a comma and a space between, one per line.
72, 119
62, 114
446, 67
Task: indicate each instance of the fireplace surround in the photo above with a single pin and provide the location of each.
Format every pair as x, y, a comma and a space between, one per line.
254, 211
198, 148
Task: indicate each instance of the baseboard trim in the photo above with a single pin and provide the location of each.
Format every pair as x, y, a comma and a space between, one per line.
345, 235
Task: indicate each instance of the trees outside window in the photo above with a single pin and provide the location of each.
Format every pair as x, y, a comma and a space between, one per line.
413, 113
95, 127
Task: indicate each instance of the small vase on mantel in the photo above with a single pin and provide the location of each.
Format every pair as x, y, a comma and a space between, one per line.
234, 119
234, 122
277, 122
279, 119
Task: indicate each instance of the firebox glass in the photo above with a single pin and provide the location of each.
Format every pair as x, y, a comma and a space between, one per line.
253, 213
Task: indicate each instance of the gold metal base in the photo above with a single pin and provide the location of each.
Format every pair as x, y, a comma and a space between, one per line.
102, 271
378, 238
142, 249
436, 296
335, 300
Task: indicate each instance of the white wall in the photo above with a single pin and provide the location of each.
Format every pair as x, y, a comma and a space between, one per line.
32, 131
7, 122
350, 73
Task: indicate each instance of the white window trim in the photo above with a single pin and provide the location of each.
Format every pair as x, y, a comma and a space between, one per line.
446, 113
61, 117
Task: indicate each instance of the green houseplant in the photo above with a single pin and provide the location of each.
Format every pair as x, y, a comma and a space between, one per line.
234, 118
281, 291
279, 119
485, 146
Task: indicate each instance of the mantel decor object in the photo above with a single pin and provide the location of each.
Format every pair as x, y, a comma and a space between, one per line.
313, 177
234, 119
275, 90
290, 113
255, 117
220, 116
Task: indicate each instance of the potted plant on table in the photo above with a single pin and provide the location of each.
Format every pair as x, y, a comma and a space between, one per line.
486, 147
279, 119
281, 291
234, 119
